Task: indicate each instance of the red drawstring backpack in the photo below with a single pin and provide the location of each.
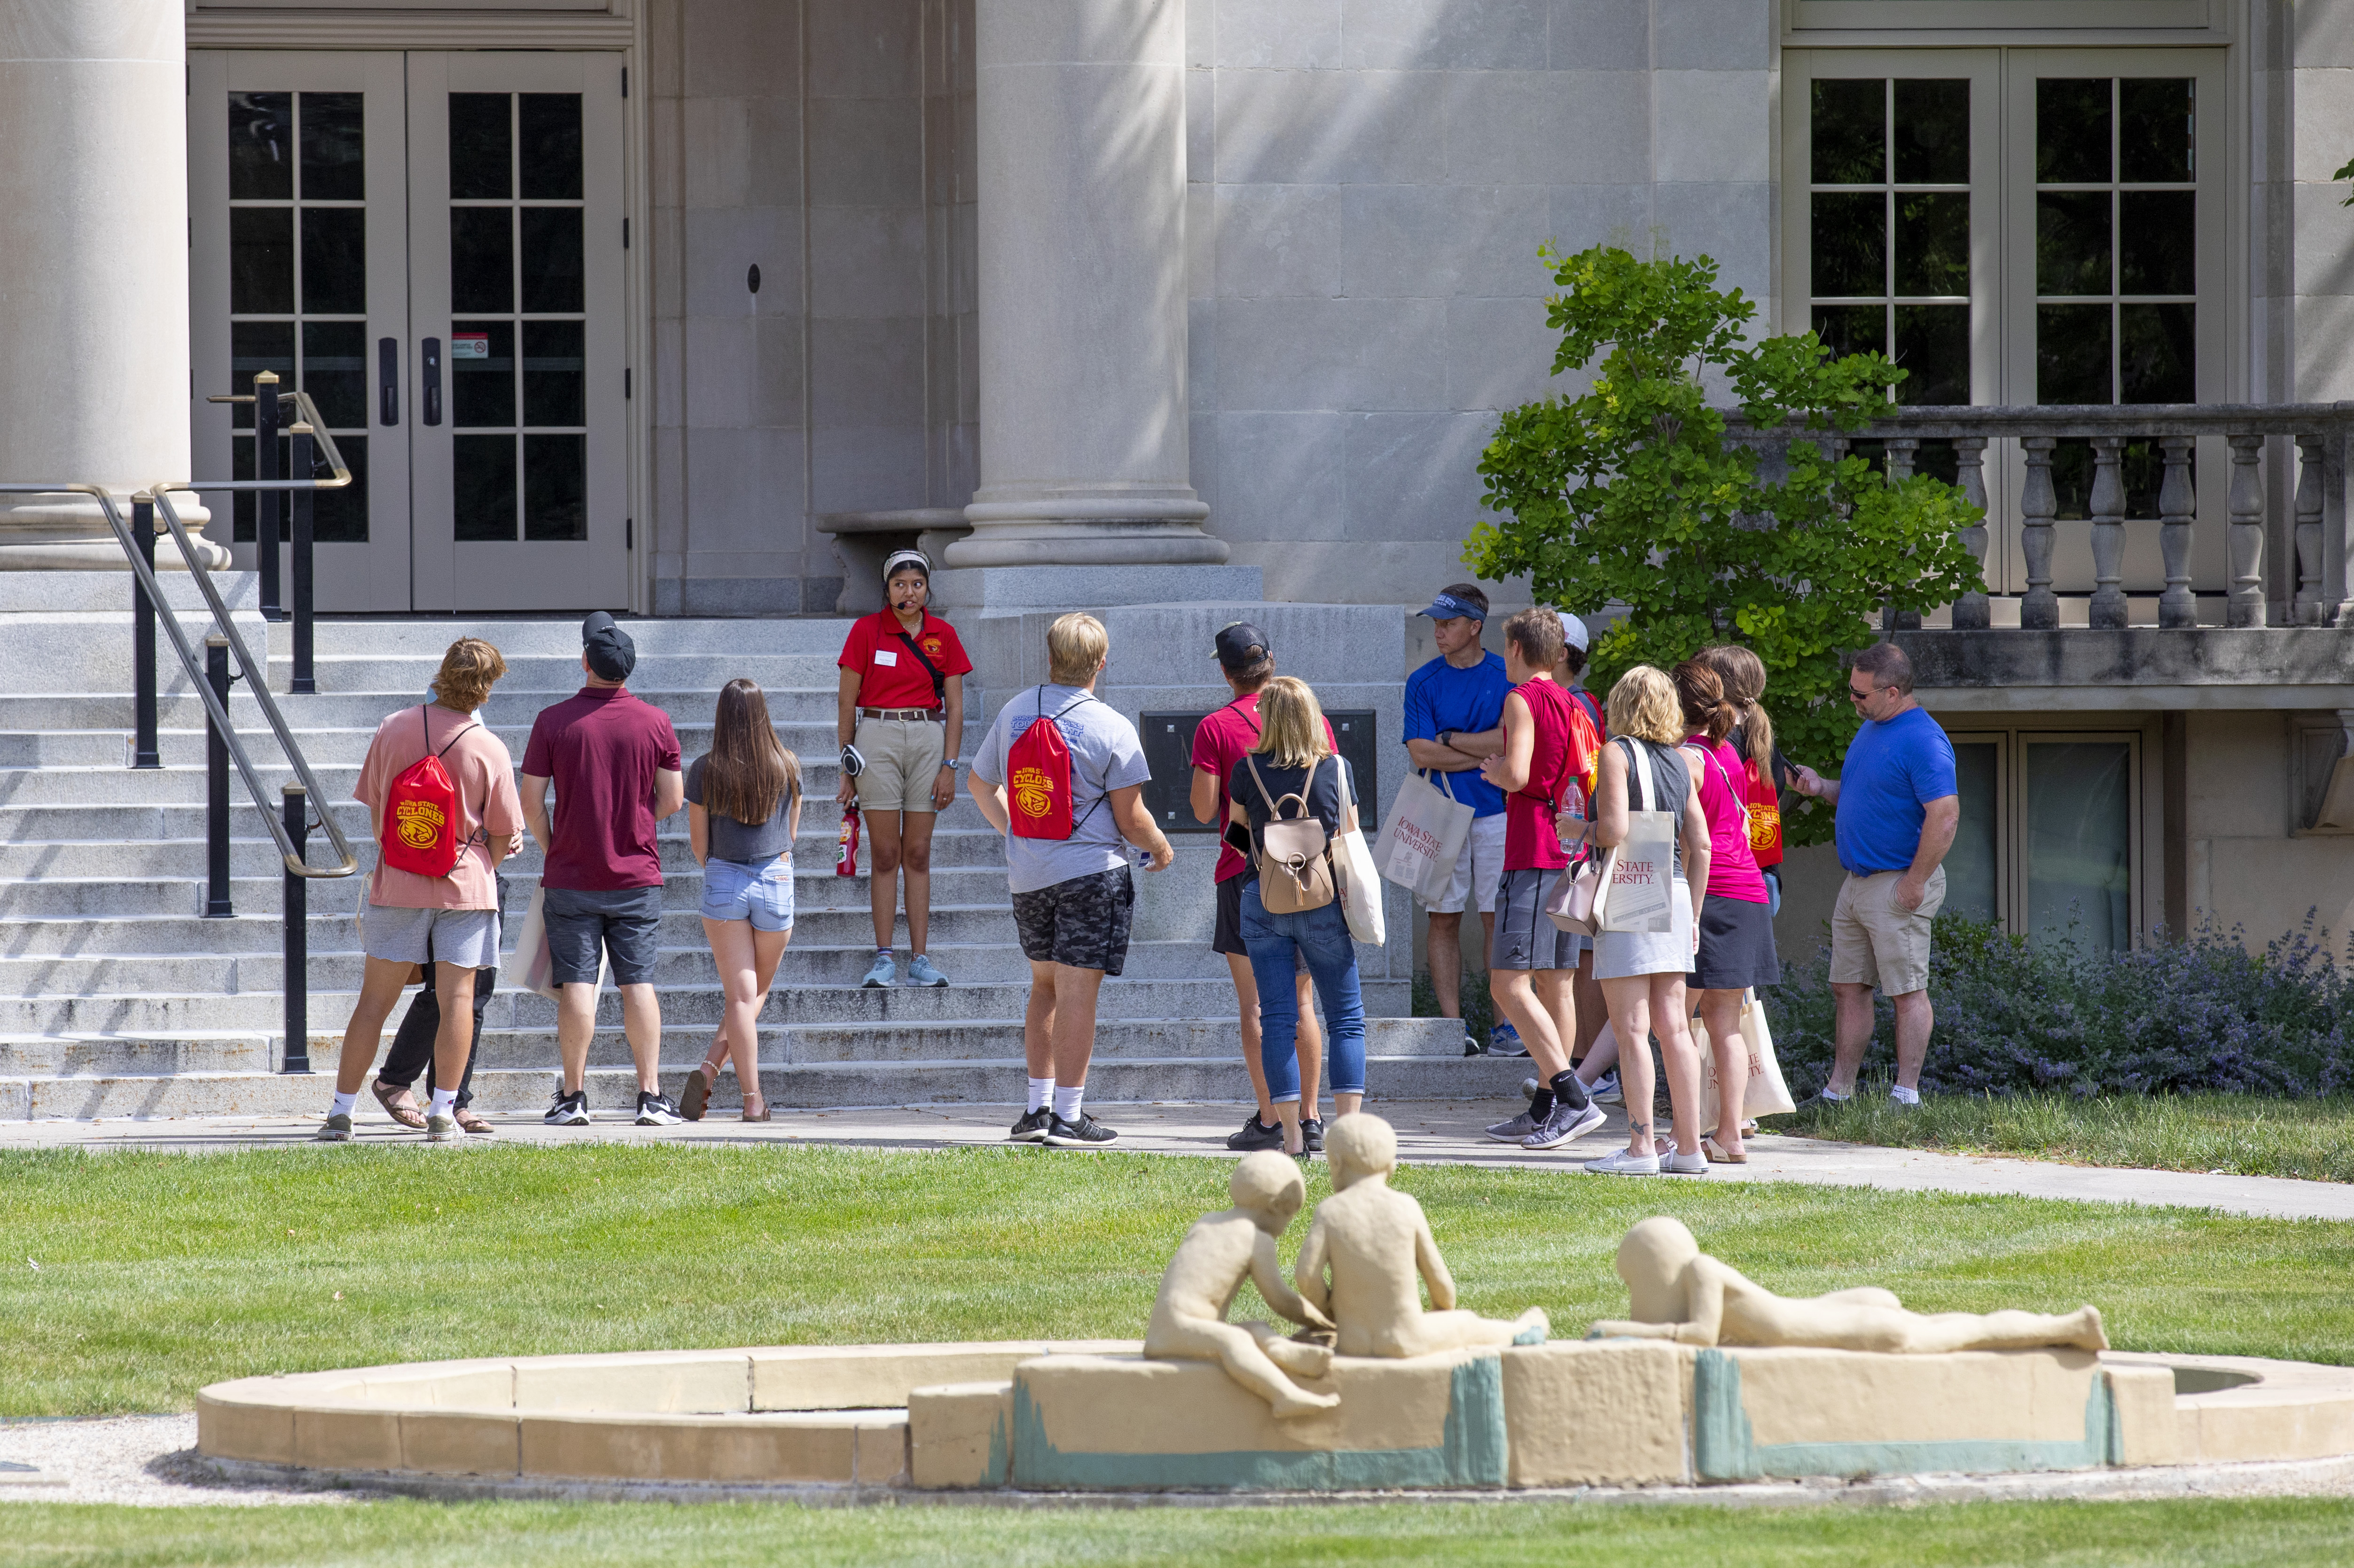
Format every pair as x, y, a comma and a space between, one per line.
1038, 777
421, 813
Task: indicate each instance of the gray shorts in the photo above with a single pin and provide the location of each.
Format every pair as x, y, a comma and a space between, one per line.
466, 937
585, 925
1526, 937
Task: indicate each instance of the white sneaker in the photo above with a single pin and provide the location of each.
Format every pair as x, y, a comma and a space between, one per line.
1685, 1165
1605, 1090
440, 1129
1624, 1164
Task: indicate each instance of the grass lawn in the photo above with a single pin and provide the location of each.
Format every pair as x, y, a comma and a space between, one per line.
2244, 1135
2080, 1535
161, 1272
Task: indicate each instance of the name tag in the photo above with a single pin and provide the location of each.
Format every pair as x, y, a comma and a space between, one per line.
884, 657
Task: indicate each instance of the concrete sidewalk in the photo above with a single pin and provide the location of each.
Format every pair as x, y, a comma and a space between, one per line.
1429, 1132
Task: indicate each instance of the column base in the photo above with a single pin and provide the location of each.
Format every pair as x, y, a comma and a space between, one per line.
1114, 530
68, 533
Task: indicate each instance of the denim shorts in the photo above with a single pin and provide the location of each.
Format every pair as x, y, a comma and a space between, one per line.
759, 892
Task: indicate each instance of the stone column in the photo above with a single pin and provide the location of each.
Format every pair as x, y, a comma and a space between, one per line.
1081, 143
93, 268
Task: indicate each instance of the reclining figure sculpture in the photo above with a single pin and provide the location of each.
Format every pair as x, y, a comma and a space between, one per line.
1189, 1317
1375, 1241
1678, 1292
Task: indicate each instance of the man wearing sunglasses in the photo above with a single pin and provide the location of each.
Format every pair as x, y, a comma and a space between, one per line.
1898, 806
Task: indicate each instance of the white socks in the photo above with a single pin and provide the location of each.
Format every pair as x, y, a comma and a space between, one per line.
445, 1103
1041, 1091
343, 1103
1905, 1097
1067, 1102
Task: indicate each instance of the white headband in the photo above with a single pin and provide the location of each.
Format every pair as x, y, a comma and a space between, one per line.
898, 559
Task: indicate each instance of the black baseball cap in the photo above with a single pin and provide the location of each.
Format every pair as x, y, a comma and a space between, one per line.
612, 655
1241, 645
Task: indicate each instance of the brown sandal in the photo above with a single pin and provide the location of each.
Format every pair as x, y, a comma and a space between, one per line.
760, 1114
469, 1122
696, 1094
1717, 1156
400, 1104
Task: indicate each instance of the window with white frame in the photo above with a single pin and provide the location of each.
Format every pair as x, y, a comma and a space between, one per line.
2050, 833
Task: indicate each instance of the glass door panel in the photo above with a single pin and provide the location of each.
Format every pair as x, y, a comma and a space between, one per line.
1973, 881
2079, 840
515, 254
298, 196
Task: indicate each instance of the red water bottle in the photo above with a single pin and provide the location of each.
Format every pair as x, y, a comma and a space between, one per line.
845, 857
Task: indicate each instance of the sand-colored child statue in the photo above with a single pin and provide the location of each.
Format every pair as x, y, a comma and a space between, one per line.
1189, 1317
1376, 1242
1678, 1292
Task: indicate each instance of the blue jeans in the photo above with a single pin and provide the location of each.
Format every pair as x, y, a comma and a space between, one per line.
1276, 943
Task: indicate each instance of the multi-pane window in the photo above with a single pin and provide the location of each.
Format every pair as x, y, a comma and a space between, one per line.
1890, 227
517, 331
297, 280
2046, 839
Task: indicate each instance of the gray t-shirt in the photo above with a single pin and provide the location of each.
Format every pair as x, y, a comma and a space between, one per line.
745, 843
1107, 754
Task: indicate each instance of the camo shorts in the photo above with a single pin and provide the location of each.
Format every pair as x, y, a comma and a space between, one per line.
1082, 923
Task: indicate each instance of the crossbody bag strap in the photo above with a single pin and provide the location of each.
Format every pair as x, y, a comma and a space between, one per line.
1252, 763
939, 681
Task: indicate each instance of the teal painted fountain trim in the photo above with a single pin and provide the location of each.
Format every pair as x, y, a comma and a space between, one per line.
1000, 1451
1470, 1453
1725, 1447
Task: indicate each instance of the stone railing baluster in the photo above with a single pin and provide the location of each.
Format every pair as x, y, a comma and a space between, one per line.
2108, 508
2037, 506
1902, 451
2246, 500
1971, 611
2176, 505
2309, 607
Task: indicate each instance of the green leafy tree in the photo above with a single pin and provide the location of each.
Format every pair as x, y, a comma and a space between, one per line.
1630, 492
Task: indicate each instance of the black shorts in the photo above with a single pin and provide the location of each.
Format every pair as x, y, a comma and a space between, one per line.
626, 922
1226, 937
1083, 922
1736, 946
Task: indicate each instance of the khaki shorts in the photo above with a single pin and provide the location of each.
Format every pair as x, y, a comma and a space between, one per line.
1875, 943
903, 758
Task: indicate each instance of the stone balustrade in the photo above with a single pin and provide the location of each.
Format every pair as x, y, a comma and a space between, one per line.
2321, 596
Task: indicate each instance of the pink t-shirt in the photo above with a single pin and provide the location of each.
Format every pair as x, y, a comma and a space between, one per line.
479, 766
1219, 742
1731, 864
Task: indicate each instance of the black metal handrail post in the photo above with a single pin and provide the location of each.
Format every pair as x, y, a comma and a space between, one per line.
216, 889
144, 752
299, 503
265, 503
294, 916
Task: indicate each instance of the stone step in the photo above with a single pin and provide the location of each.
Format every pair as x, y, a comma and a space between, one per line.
703, 670
613, 1090
512, 704
656, 639
346, 747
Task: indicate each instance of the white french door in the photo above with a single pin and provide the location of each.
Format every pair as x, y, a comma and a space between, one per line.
431, 245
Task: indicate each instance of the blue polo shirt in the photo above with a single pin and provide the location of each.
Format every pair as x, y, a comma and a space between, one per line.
1894, 769
1440, 696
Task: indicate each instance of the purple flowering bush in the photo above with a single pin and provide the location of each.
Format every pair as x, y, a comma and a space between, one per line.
2196, 1013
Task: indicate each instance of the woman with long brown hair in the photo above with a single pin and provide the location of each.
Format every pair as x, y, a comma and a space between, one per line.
743, 808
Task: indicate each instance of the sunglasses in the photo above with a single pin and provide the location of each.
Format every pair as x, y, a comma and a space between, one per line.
1866, 694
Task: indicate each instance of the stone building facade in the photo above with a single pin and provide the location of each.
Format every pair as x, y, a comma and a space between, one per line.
721, 294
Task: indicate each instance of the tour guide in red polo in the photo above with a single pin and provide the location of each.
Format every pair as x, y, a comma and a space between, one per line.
614, 762
901, 709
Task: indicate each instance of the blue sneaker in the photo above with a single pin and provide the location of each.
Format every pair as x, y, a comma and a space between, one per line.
1504, 1040
883, 973
920, 971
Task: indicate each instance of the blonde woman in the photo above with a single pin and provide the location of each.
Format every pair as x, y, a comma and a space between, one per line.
1642, 973
1294, 757
743, 808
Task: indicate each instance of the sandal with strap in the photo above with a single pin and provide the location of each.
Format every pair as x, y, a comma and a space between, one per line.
752, 1115
695, 1092
1716, 1154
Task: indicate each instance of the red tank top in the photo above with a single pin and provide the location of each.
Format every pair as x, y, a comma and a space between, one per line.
1531, 840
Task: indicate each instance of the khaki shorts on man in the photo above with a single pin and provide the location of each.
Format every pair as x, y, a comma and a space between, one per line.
902, 757
1875, 943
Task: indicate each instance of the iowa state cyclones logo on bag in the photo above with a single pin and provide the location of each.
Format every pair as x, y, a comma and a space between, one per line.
1038, 777
420, 814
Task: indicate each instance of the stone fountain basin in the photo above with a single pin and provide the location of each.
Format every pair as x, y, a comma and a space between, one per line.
1094, 1415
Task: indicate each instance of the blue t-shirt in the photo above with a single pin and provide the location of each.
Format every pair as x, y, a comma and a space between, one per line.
1440, 696
1894, 769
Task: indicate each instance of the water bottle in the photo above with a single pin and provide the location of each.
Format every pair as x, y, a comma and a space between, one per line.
1571, 821
845, 854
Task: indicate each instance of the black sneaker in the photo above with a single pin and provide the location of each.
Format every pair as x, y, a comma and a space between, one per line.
568, 1110
1255, 1136
1032, 1127
1312, 1133
1471, 1047
1085, 1133
657, 1110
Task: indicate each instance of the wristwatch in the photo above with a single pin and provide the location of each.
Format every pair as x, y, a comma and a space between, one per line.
951, 763
1446, 737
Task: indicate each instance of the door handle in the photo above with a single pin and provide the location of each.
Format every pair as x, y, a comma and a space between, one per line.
432, 380
388, 381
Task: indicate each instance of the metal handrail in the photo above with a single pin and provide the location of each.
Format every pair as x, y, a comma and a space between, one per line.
258, 678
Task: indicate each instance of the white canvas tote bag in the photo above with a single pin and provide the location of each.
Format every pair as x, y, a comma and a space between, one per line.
1766, 1094
1353, 868
1422, 838
1643, 875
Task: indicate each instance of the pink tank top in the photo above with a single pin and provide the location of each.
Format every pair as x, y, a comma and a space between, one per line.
1731, 864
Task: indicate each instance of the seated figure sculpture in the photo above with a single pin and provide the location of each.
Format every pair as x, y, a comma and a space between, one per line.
1189, 1317
1376, 1241
1678, 1292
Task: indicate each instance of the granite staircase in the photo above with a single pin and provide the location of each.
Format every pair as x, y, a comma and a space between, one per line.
118, 999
